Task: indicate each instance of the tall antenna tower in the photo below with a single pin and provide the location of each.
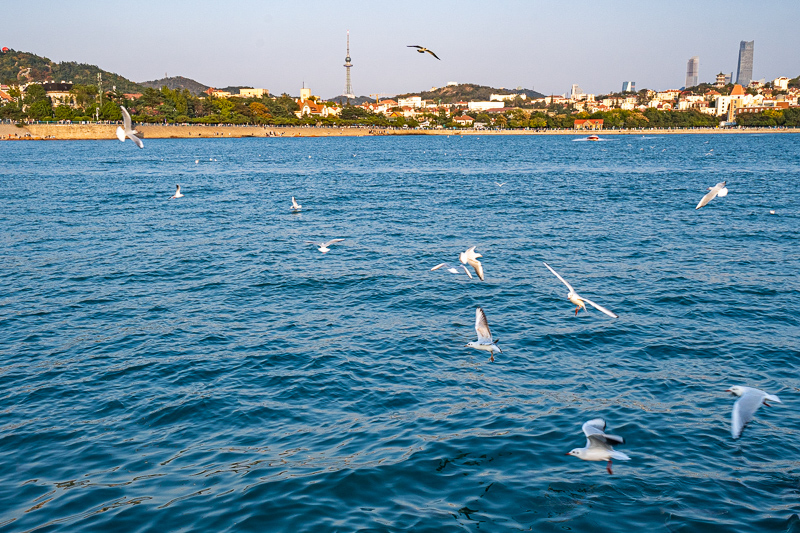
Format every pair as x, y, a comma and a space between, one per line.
348, 89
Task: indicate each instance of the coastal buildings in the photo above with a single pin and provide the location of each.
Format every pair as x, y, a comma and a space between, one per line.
692, 72
253, 93
744, 70
589, 124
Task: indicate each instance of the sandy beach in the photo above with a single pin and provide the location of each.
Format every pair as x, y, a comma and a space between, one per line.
170, 131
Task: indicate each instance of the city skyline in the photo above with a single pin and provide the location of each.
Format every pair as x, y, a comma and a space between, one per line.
277, 47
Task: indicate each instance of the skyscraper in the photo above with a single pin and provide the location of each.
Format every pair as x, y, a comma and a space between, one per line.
693, 72
744, 72
629, 86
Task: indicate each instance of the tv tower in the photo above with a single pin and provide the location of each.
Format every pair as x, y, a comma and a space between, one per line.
348, 89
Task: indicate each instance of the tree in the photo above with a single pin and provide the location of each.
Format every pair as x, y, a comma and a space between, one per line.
64, 112
41, 110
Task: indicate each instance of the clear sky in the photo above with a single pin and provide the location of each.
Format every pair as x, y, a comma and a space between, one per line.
279, 45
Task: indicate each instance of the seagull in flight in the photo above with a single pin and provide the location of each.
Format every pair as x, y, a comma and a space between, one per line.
295, 205
484, 341
500, 184
471, 257
422, 50
579, 301
452, 269
717, 190
128, 131
177, 194
323, 247
745, 408
598, 444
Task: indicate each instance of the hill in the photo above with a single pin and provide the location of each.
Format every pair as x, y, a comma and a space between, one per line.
177, 82
24, 67
466, 92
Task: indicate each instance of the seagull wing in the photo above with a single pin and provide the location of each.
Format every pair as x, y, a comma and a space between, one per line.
744, 410
413, 46
440, 265
470, 277
120, 133
482, 327
711, 194
331, 242
126, 119
559, 277
434, 55
136, 139
294, 203
315, 243
474, 263
600, 308
596, 436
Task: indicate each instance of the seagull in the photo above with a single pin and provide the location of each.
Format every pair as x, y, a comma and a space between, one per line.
177, 193
579, 301
471, 257
295, 205
452, 269
717, 190
323, 247
422, 50
500, 184
598, 444
484, 341
128, 132
745, 408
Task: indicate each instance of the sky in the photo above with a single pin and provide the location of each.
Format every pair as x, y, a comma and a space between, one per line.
542, 45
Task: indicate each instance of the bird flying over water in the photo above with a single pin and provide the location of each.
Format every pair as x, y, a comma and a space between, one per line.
177, 193
295, 205
323, 247
745, 408
598, 444
471, 257
128, 130
453, 269
499, 184
422, 50
717, 190
484, 341
579, 301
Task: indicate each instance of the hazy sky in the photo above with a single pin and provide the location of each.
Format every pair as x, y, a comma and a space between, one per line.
278, 45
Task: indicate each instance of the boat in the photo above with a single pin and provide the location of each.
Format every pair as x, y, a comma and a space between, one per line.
592, 138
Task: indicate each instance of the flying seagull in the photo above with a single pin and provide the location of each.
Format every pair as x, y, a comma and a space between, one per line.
422, 50
499, 184
471, 257
453, 269
484, 341
717, 190
323, 247
295, 205
128, 132
177, 194
598, 444
579, 301
745, 408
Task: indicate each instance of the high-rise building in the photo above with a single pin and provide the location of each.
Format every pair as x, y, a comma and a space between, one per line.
744, 72
629, 86
348, 89
576, 92
693, 72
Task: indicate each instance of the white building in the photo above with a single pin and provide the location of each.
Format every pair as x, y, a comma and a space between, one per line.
414, 101
253, 93
781, 84
483, 106
506, 97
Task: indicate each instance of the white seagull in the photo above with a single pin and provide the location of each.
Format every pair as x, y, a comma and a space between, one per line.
295, 205
598, 444
177, 194
471, 257
128, 131
745, 408
484, 341
579, 301
323, 247
452, 269
500, 184
717, 190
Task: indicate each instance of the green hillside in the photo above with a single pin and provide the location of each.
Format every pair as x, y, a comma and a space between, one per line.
177, 82
24, 67
467, 92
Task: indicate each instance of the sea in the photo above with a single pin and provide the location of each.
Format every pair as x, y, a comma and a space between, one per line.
194, 364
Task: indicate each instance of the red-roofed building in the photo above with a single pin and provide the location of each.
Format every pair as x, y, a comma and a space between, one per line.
464, 120
589, 124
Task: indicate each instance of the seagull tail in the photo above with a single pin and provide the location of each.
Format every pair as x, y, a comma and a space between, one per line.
619, 456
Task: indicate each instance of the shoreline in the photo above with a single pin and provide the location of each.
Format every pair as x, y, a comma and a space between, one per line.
66, 132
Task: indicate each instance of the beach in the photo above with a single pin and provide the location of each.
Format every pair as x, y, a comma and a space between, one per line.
197, 131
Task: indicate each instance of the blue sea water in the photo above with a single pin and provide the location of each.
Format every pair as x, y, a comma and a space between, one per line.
194, 365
